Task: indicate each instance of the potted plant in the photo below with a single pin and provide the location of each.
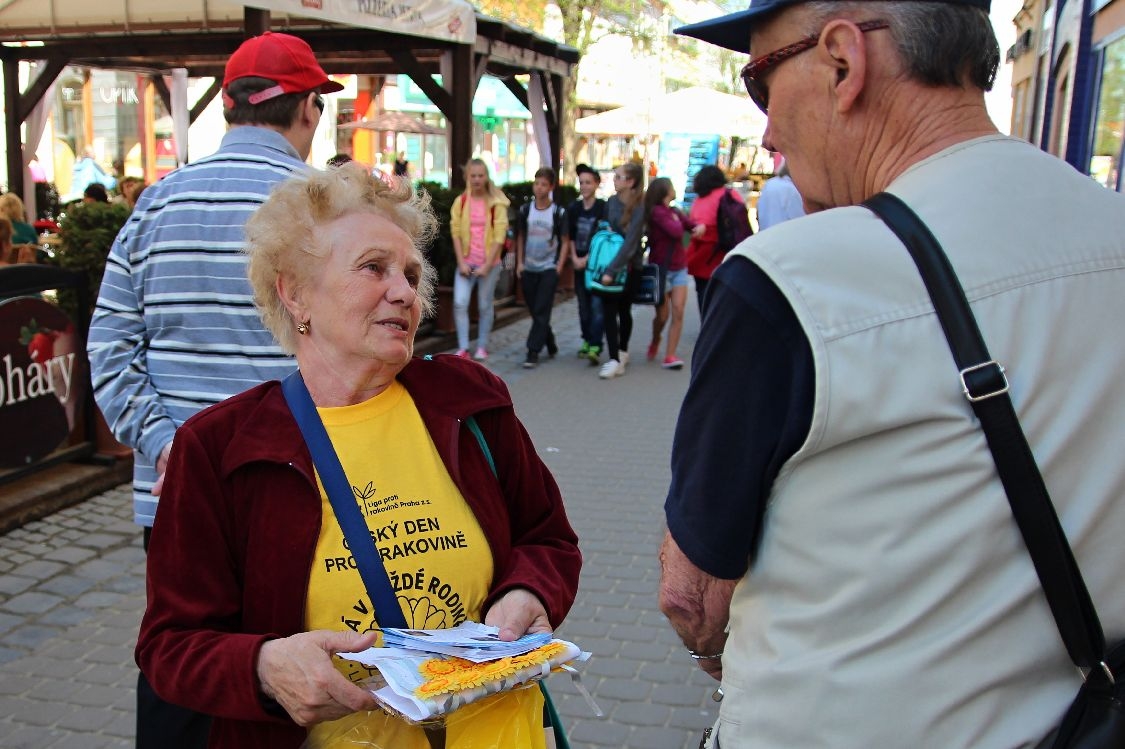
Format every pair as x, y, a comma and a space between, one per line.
86, 232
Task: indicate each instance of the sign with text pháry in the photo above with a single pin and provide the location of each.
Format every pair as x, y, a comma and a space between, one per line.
43, 380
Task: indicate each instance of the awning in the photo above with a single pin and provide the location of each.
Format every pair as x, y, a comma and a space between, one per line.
693, 111
447, 20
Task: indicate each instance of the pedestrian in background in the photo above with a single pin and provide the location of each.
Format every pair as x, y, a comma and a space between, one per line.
479, 225
666, 228
779, 200
703, 255
582, 218
886, 597
540, 235
626, 215
175, 329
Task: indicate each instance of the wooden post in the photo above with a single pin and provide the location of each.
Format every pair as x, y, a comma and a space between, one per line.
12, 125
462, 89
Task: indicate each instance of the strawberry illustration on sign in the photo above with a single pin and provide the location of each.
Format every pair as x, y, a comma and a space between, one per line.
40, 342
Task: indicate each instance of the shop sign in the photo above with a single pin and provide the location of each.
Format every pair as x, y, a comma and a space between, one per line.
43, 380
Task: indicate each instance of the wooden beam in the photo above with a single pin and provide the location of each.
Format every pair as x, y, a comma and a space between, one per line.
39, 86
162, 90
517, 90
205, 99
423, 78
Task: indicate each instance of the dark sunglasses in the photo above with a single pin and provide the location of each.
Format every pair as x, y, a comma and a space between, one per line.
319, 102
752, 74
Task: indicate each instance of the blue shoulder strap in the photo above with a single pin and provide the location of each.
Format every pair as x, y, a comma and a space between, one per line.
387, 610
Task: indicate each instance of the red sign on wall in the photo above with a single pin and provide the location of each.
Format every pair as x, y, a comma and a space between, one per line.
43, 380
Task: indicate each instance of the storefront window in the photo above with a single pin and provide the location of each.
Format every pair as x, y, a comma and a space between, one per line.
1109, 127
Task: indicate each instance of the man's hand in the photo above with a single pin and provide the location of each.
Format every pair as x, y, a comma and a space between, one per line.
697, 605
298, 672
161, 467
517, 613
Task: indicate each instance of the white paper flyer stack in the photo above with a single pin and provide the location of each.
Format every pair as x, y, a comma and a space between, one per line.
432, 672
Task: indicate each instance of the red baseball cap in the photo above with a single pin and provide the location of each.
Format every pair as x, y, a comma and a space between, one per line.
284, 59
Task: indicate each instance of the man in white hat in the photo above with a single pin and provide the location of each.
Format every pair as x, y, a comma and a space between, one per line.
841, 553
175, 329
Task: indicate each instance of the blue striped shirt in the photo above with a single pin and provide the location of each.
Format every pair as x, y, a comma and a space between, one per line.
175, 328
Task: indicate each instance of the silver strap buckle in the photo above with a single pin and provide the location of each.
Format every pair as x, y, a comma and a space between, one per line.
983, 396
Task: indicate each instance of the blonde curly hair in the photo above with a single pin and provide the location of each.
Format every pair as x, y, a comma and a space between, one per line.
284, 234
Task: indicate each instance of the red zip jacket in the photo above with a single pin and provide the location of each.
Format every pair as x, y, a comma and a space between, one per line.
233, 543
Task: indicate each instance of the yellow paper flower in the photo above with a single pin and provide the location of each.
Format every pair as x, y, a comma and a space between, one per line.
437, 667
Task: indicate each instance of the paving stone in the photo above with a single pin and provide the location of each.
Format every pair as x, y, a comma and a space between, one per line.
675, 695
54, 690
97, 599
31, 636
99, 540
102, 673
87, 719
692, 718
612, 667
68, 615
124, 723
663, 738
28, 737
640, 714
623, 689
39, 569
99, 569
49, 668
8, 655
11, 585
622, 615
31, 603
85, 740
598, 733
70, 554
68, 586
34, 713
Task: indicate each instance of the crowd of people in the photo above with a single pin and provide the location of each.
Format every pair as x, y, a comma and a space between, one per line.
840, 550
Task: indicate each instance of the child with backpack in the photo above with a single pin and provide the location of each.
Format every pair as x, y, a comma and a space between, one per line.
540, 233
625, 215
708, 250
582, 218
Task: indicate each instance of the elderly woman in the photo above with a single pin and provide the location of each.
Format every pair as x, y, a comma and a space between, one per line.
251, 585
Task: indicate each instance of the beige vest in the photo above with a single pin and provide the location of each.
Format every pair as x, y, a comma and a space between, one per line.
892, 603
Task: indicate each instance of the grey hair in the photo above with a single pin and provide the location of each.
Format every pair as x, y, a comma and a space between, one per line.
283, 234
941, 43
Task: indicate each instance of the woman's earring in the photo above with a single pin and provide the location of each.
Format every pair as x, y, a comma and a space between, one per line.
303, 328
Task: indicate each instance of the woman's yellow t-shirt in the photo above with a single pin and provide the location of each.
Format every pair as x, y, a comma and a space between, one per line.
433, 549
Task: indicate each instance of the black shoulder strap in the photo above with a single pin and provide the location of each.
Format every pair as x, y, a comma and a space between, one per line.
986, 386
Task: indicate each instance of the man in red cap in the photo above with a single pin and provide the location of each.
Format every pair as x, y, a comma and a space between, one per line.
175, 329
841, 551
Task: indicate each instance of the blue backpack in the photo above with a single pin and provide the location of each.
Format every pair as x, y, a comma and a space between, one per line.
604, 246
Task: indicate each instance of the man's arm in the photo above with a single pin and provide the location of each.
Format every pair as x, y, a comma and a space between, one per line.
118, 347
697, 605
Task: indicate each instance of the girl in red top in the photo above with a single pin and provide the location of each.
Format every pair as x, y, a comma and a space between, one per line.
666, 227
702, 259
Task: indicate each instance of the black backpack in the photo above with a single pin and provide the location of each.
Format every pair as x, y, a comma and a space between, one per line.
733, 222
558, 217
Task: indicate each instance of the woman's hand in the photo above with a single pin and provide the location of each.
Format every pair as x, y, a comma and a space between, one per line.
298, 672
465, 270
698, 231
517, 613
607, 280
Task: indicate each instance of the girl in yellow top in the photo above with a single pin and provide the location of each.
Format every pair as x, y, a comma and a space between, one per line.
479, 225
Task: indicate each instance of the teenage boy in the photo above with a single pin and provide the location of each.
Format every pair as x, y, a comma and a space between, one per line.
540, 233
582, 217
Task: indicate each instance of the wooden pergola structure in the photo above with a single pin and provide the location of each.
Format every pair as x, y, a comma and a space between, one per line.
499, 49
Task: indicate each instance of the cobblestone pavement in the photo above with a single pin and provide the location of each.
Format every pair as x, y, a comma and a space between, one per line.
72, 584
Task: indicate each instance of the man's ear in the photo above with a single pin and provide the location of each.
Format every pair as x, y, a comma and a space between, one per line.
846, 49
